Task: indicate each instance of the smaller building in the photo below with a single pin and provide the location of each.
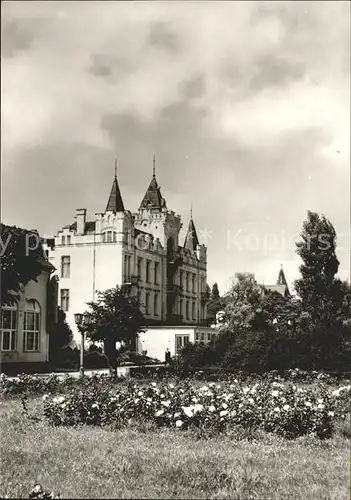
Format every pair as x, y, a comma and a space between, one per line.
24, 339
155, 340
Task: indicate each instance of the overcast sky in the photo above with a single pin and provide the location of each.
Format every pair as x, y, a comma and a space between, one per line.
246, 106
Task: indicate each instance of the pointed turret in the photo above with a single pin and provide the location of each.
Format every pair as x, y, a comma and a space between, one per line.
115, 202
191, 239
281, 278
153, 199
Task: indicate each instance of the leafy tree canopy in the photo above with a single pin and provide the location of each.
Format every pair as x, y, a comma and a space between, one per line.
22, 260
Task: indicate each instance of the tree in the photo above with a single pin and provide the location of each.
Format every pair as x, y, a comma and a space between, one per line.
60, 335
214, 304
318, 287
243, 301
22, 260
324, 297
115, 317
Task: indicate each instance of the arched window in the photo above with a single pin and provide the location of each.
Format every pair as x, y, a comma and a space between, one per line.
31, 326
9, 322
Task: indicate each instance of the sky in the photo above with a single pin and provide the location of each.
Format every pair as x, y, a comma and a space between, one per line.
245, 104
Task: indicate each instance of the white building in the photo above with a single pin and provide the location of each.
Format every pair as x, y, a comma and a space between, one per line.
140, 250
24, 324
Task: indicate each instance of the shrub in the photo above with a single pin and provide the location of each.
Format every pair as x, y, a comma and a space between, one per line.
273, 406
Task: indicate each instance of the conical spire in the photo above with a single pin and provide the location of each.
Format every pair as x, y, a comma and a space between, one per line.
281, 277
191, 239
153, 199
115, 202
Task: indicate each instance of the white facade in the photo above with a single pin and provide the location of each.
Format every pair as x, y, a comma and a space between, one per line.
155, 340
142, 250
24, 335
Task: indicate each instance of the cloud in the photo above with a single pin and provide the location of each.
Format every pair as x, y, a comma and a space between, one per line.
245, 103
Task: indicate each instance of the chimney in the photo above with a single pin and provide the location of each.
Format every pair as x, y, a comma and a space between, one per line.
81, 214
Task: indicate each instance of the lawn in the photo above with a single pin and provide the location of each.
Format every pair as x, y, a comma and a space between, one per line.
94, 462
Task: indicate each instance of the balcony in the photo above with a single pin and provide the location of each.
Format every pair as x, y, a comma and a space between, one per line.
132, 279
175, 290
175, 261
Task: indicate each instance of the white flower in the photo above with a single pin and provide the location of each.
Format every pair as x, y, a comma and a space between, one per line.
171, 386
140, 393
188, 410
136, 400
176, 415
179, 423
95, 405
45, 397
218, 386
204, 388
319, 400
197, 408
223, 413
330, 414
275, 393
211, 409
224, 405
149, 400
159, 413
308, 403
286, 407
276, 409
166, 403
162, 396
321, 406
154, 384
246, 390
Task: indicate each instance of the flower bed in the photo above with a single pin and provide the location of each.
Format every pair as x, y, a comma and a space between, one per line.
283, 408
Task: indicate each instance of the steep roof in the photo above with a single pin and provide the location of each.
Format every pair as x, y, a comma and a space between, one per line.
115, 202
282, 289
281, 278
153, 199
88, 228
191, 239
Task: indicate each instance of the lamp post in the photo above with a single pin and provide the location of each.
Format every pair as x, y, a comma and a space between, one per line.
81, 319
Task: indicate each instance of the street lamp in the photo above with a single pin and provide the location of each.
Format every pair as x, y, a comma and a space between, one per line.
81, 319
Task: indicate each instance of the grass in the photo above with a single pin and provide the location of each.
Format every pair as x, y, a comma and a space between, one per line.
101, 463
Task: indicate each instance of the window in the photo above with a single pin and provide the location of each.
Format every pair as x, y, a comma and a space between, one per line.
209, 337
31, 331
109, 237
147, 302
129, 264
197, 336
9, 328
187, 309
65, 300
193, 309
156, 270
63, 240
65, 266
181, 341
69, 239
194, 282
125, 266
181, 307
181, 278
202, 337
202, 284
147, 278
140, 262
156, 304
187, 281
139, 297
